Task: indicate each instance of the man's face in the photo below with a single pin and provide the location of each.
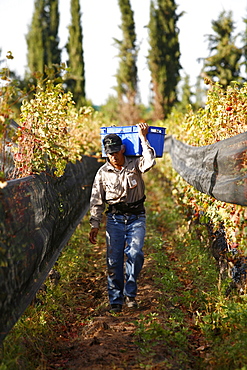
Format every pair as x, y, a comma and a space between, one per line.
116, 159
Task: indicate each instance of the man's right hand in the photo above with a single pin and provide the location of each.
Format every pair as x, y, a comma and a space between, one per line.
142, 129
93, 235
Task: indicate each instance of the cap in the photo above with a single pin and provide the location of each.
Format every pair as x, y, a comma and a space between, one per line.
112, 143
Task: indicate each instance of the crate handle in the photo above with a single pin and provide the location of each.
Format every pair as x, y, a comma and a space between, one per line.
156, 130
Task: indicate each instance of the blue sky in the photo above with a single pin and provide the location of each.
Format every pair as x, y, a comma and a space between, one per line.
100, 22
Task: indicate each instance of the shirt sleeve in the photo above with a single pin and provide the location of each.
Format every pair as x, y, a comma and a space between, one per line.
147, 160
97, 201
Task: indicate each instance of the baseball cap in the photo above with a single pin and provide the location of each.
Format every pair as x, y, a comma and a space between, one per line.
112, 143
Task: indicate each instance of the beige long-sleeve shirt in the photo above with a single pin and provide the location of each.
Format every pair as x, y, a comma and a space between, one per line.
112, 186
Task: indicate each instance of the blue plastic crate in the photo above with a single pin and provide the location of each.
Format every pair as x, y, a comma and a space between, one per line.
131, 140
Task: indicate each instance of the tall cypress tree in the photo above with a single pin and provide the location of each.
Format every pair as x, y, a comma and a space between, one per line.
186, 95
127, 71
52, 39
42, 38
224, 62
76, 82
244, 49
163, 56
35, 39
200, 93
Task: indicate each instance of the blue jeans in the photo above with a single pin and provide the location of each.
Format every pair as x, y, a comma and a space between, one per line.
124, 236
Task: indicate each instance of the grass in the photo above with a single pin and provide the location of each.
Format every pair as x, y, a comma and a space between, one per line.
55, 312
178, 272
186, 268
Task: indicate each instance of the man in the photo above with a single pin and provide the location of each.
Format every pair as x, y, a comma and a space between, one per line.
119, 184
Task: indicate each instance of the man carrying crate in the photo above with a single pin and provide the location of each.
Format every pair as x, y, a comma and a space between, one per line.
119, 184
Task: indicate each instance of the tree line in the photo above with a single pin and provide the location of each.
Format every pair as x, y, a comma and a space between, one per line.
224, 64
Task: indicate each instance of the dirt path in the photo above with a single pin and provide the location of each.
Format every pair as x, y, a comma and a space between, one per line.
107, 341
